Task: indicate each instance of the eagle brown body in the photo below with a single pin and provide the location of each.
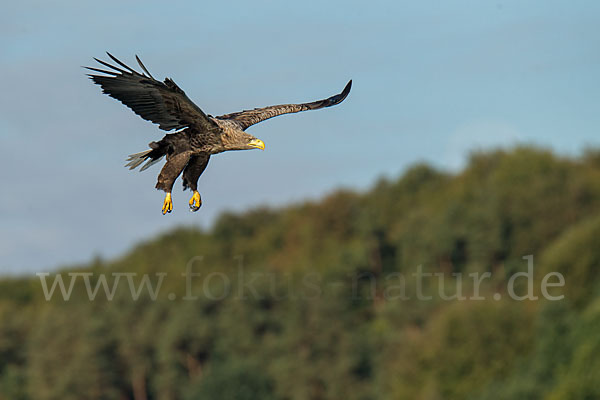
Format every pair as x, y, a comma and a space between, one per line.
197, 136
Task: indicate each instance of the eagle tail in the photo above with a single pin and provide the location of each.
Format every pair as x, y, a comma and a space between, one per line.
155, 154
150, 163
135, 160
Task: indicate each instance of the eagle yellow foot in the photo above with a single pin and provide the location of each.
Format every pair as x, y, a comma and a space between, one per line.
167, 204
195, 201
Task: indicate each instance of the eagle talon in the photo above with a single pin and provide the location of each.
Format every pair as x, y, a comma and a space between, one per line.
195, 202
167, 204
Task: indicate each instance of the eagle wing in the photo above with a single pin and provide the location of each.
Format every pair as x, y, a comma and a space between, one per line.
162, 103
248, 118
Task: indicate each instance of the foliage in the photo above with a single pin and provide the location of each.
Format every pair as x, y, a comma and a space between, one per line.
319, 301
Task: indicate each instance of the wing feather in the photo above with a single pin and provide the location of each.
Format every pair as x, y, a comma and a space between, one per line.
162, 103
119, 62
143, 66
248, 118
110, 65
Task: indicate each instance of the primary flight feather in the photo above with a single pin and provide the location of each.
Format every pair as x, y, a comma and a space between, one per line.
197, 136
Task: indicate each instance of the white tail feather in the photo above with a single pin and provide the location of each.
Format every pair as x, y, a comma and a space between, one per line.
136, 159
150, 163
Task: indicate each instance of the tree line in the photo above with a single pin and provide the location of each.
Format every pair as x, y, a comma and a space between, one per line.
318, 301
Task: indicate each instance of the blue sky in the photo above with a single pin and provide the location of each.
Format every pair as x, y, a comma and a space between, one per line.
433, 80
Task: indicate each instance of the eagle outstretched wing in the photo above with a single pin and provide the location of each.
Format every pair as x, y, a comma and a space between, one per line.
162, 103
248, 118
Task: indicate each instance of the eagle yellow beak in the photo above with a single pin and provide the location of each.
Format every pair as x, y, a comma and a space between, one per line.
257, 143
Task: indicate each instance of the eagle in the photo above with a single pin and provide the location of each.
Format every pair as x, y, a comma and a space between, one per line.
193, 135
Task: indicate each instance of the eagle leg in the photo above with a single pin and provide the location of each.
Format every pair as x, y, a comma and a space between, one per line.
167, 204
191, 173
195, 201
171, 170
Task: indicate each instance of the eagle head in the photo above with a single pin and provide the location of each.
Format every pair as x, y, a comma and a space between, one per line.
240, 140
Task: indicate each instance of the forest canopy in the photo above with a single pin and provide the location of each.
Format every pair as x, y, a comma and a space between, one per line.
320, 300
